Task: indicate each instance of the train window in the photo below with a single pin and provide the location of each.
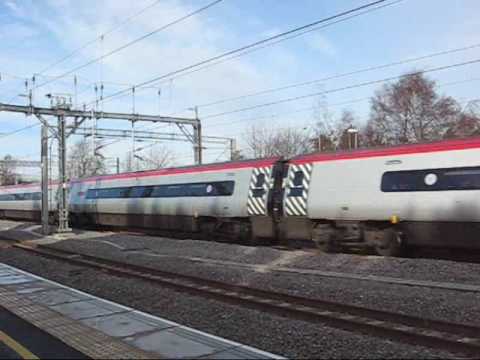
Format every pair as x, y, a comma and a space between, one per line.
159, 191
296, 189
164, 191
116, 193
21, 197
432, 180
8, 197
200, 189
222, 188
260, 181
294, 192
258, 192
34, 196
298, 178
111, 193
92, 194
139, 192
259, 189
463, 179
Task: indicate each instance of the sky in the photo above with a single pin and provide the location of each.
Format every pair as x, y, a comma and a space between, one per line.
37, 33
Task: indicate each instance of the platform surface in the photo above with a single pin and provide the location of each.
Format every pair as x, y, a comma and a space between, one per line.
98, 328
20, 339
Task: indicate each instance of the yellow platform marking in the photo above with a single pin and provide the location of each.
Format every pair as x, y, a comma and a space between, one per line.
16, 347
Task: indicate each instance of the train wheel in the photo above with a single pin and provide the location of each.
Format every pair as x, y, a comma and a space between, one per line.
391, 244
325, 238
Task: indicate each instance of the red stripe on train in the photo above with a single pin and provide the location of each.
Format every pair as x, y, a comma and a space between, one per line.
187, 170
449, 145
165, 172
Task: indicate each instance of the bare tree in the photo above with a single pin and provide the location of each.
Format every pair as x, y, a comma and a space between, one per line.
237, 155
157, 158
408, 111
130, 163
7, 171
467, 125
263, 141
325, 131
82, 162
331, 132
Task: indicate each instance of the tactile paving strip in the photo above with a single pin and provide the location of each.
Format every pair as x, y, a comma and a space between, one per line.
86, 340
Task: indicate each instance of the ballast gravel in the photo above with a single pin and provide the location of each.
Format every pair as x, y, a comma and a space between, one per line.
439, 304
293, 339
418, 269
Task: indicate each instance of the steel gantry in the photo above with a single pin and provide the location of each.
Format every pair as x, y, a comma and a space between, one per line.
62, 111
154, 136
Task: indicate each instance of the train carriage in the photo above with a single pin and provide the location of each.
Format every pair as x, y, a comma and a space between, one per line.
217, 198
24, 201
422, 194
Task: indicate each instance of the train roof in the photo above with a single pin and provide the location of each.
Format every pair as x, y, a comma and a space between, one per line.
408, 149
231, 165
26, 186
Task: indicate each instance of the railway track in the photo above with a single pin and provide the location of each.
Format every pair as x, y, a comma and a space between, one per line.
458, 338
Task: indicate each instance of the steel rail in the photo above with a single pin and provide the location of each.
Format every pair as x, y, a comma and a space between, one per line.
453, 337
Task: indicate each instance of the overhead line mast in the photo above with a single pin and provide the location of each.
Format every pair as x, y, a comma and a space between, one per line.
62, 111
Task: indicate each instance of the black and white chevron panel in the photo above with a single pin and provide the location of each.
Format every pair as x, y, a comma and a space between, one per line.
257, 206
297, 205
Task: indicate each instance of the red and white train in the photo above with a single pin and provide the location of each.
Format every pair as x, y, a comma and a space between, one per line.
385, 199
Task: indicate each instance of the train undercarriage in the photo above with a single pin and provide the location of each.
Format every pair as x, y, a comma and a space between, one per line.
382, 238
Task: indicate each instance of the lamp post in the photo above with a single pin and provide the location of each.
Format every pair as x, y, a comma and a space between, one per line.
352, 137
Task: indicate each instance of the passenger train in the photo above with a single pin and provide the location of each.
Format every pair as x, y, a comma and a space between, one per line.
383, 199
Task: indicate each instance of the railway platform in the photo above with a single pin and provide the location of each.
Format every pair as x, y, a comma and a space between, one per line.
43, 319
20, 339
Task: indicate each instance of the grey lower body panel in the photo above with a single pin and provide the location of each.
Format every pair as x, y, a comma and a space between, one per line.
21, 214
442, 234
185, 223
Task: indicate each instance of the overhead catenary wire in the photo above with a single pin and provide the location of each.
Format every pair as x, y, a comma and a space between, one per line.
249, 51
249, 46
4, 74
130, 43
223, 123
19, 130
108, 32
309, 108
170, 79
349, 87
188, 155
341, 75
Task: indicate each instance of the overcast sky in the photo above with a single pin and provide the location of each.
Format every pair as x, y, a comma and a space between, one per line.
36, 33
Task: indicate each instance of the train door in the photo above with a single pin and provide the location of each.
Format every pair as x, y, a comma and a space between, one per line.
258, 195
297, 186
